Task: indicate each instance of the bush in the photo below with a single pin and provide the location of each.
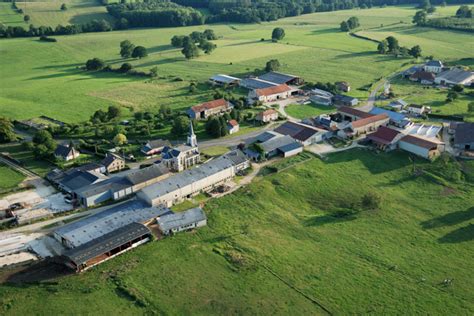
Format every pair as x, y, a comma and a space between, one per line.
44, 38
371, 201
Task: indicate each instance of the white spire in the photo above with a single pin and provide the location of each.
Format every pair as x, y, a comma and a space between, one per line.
192, 140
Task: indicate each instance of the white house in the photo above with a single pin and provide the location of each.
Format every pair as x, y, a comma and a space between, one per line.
434, 66
233, 126
270, 94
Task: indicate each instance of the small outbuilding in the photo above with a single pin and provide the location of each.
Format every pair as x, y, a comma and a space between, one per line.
344, 100
233, 126
177, 222
385, 138
420, 146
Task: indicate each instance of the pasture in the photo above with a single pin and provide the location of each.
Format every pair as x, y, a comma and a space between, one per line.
301, 111
9, 17
44, 78
291, 239
9, 178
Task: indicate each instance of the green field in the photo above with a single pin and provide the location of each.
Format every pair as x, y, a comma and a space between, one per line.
8, 17
28, 160
288, 239
49, 13
43, 78
9, 178
301, 111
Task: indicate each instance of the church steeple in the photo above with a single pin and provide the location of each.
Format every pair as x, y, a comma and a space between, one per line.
192, 140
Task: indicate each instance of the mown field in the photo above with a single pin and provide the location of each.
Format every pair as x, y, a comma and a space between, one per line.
8, 17
301, 111
44, 78
9, 178
289, 240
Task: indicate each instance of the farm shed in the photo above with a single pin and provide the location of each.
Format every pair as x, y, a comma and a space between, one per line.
222, 80
420, 146
281, 78
177, 222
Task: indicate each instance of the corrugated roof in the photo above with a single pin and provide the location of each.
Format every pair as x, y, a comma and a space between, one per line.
369, 120
420, 142
423, 75
464, 133
99, 224
106, 243
455, 75
147, 174
272, 90
394, 116
290, 147
354, 112
181, 219
79, 179
277, 77
224, 78
255, 83
383, 135
297, 131
210, 105
276, 143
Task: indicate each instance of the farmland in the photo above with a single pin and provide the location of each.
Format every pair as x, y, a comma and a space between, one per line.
9, 178
44, 78
290, 239
9, 17
301, 111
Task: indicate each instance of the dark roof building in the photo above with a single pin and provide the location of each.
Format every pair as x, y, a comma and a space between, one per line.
66, 152
155, 146
79, 179
344, 100
255, 83
302, 133
385, 137
423, 76
280, 78
464, 136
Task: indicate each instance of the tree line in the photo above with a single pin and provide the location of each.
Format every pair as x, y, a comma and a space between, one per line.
462, 21
390, 45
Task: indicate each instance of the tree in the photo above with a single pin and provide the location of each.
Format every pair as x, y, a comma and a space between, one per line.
113, 112
213, 126
190, 50
415, 51
120, 139
392, 44
431, 10
353, 22
44, 144
180, 125
382, 48
126, 49
457, 88
7, 133
63, 7
95, 64
99, 116
207, 46
420, 18
344, 26
126, 67
425, 4
452, 95
371, 201
196, 36
210, 35
154, 72
139, 52
178, 40
278, 34
464, 12
26, 18
272, 65
470, 107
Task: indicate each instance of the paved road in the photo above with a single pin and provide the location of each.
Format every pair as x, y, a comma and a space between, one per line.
373, 94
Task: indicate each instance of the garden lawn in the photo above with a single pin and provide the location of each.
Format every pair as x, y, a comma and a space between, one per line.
45, 78
301, 111
291, 239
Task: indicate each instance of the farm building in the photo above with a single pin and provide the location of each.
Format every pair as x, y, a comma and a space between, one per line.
222, 80
90, 228
178, 222
365, 125
455, 76
280, 78
66, 152
434, 66
270, 94
302, 133
280, 145
410, 71
464, 136
203, 178
398, 105
204, 110
344, 100
232, 126
79, 179
385, 138
256, 83
396, 119
319, 96
351, 114
106, 247
416, 109
113, 163
267, 116
154, 147
423, 130
423, 77
420, 146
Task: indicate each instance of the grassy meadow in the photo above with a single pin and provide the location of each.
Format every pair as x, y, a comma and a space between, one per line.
44, 78
9, 178
8, 16
289, 240
301, 111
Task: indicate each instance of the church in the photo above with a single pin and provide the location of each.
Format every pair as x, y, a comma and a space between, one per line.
184, 156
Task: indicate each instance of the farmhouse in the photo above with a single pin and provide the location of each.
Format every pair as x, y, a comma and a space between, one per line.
344, 100
322, 97
464, 136
455, 76
203, 178
343, 86
232, 126
366, 125
206, 109
270, 94
267, 116
226, 80
280, 78
420, 146
351, 114
302, 133
385, 138
434, 66
177, 222
66, 152
113, 163
423, 77
90, 228
396, 119
106, 247
153, 147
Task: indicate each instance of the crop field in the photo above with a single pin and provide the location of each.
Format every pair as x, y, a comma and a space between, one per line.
49, 13
9, 178
290, 240
44, 78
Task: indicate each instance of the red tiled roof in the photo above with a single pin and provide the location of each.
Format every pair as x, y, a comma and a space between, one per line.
233, 122
209, 105
273, 90
420, 142
369, 120
383, 135
355, 112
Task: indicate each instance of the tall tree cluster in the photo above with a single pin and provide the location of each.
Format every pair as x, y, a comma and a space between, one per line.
188, 43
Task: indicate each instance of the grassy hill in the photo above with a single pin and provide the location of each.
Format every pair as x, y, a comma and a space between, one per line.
290, 240
43, 78
9, 17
